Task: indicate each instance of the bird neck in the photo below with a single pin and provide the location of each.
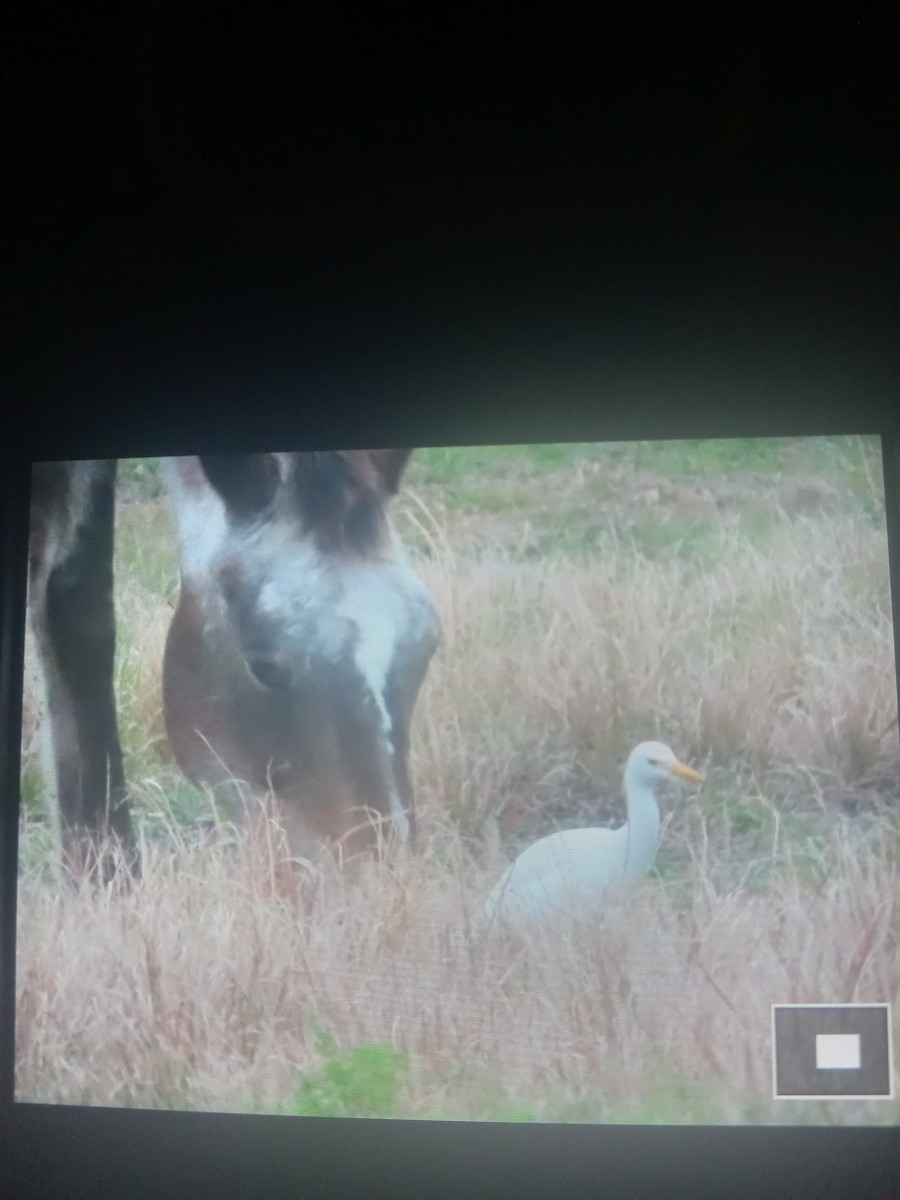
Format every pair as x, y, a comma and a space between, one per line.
642, 829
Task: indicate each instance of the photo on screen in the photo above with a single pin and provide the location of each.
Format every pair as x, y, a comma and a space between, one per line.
541, 783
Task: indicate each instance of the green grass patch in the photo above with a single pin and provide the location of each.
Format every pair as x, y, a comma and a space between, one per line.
697, 459
451, 464
141, 477
32, 789
857, 460
175, 803
364, 1083
146, 547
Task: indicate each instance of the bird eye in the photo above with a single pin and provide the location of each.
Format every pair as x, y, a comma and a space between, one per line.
654, 762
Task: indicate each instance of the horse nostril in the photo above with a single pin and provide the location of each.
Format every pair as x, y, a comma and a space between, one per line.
271, 670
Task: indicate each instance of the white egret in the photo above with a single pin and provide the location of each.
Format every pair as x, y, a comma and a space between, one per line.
567, 873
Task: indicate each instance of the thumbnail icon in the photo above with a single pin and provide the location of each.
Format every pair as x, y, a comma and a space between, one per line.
836, 1051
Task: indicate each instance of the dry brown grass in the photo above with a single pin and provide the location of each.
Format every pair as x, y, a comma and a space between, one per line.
778, 662
211, 986
217, 984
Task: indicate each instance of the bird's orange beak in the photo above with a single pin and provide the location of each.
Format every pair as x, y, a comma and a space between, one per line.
683, 772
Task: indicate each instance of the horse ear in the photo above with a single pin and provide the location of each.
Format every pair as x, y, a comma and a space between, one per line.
389, 467
246, 482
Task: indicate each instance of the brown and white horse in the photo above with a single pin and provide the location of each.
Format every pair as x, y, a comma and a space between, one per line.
293, 662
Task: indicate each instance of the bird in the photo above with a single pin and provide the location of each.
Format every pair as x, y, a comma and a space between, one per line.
567, 873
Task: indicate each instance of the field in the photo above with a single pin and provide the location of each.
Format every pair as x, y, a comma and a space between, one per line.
730, 598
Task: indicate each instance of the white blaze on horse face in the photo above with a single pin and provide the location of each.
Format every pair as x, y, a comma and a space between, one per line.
327, 606
388, 606
400, 819
200, 517
385, 604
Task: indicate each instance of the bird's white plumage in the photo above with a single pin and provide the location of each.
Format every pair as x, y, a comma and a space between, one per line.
568, 873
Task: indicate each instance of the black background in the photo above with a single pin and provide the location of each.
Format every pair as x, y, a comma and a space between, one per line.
234, 226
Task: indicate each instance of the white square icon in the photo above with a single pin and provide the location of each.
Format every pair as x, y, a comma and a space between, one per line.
837, 1051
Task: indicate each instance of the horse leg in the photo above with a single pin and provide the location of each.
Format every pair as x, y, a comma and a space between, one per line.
78, 641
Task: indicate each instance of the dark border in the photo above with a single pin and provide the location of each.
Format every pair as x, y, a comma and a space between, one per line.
482, 364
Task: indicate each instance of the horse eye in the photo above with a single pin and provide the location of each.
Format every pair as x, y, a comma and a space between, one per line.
271, 670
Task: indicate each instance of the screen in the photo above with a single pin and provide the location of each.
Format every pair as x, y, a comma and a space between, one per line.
542, 783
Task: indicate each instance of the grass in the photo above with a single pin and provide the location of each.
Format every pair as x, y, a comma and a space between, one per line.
221, 976
364, 1083
730, 598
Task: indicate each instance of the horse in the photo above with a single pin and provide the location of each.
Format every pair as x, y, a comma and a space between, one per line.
294, 658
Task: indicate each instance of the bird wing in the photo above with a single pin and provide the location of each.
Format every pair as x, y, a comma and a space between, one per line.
569, 850
566, 871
